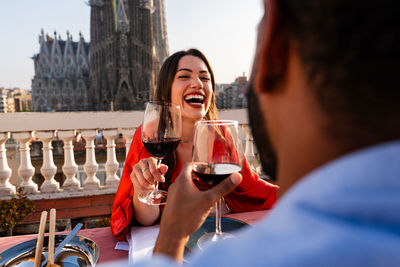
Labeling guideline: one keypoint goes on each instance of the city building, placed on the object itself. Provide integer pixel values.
(22, 100)
(232, 96)
(15, 100)
(128, 45)
(62, 69)
(3, 100)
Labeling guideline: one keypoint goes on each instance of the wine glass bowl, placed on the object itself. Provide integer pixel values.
(209, 175)
(161, 134)
(217, 153)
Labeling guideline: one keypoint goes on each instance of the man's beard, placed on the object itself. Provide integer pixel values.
(260, 134)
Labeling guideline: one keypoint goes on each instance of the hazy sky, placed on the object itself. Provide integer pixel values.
(225, 30)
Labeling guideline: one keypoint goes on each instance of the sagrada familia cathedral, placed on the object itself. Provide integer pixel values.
(116, 71)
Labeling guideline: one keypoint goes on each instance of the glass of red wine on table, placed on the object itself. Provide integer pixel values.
(161, 134)
(217, 153)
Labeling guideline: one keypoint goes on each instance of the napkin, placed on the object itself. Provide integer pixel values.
(141, 242)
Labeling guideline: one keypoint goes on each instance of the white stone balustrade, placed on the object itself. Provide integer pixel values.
(48, 169)
(26, 170)
(112, 180)
(23, 127)
(70, 167)
(128, 133)
(249, 148)
(6, 188)
(91, 166)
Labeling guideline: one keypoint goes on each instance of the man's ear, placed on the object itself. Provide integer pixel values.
(272, 48)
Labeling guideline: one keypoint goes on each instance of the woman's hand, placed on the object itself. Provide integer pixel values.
(145, 173)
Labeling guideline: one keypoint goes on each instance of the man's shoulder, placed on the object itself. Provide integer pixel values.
(302, 243)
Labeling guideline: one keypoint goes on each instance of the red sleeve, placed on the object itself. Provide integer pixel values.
(122, 210)
(252, 193)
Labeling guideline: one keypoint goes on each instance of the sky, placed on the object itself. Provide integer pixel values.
(224, 30)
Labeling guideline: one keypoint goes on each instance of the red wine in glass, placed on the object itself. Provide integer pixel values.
(161, 148)
(209, 175)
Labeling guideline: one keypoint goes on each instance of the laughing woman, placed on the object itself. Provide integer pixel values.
(185, 79)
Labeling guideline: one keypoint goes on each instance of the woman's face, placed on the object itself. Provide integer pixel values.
(191, 88)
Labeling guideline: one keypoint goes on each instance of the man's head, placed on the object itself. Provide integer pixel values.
(326, 77)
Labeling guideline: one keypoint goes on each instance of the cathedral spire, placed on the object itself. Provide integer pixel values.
(56, 58)
(42, 64)
(69, 58)
(121, 20)
(43, 45)
(82, 58)
(160, 32)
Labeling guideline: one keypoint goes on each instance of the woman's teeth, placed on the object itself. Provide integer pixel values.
(195, 99)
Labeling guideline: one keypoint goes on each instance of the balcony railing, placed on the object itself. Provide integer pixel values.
(26, 128)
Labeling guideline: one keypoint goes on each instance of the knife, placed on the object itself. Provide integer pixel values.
(68, 237)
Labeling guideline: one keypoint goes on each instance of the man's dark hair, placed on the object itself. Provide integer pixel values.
(350, 50)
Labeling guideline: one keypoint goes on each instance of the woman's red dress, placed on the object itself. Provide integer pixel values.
(250, 195)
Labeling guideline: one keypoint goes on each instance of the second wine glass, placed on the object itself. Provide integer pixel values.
(217, 153)
(161, 134)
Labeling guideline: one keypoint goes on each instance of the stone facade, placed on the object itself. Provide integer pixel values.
(61, 80)
(117, 71)
(128, 45)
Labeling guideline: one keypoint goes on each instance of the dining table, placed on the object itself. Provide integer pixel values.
(106, 242)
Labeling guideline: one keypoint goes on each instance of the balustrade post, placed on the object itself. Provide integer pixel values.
(70, 167)
(91, 166)
(249, 150)
(26, 170)
(6, 188)
(48, 169)
(112, 180)
(128, 133)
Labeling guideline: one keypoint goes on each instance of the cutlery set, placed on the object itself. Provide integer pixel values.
(38, 262)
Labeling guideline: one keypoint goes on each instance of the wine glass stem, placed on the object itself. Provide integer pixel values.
(154, 192)
(218, 230)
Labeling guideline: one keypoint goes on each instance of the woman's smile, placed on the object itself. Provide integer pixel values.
(196, 100)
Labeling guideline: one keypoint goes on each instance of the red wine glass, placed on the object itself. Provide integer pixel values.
(161, 134)
(217, 153)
